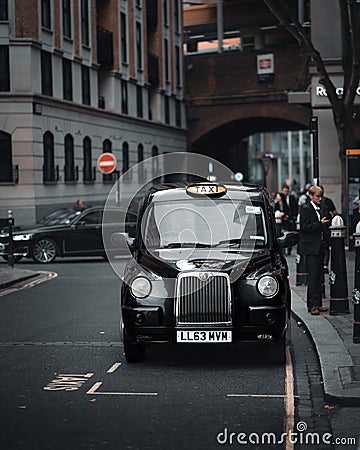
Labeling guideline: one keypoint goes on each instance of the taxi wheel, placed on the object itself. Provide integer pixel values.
(277, 351)
(134, 353)
(44, 251)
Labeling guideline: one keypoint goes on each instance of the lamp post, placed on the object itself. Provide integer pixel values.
(314, 138)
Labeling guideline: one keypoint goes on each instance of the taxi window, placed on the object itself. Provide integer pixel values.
(211, 223)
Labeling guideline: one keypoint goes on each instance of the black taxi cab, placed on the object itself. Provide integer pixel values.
(206, 268)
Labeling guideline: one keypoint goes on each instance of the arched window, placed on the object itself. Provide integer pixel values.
(141, 172)
(69, 168)
(49, 158)
(126, 162)
(125, 167)
(87, 158)
(6, 175)
(155, 162)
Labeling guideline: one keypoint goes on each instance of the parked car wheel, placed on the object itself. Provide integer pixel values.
(134, 353)
(44, 251)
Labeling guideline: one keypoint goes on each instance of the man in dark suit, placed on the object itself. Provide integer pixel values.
(312, 244)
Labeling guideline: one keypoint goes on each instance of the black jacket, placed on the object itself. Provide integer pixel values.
(311, 231)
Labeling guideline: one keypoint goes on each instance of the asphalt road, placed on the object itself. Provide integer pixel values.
(65, 383)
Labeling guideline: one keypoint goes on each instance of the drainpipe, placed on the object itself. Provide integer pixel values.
(220, 25)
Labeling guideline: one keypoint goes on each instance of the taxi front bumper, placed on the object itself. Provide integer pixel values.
(149, 325)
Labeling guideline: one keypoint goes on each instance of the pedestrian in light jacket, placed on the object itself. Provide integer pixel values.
(312, 244)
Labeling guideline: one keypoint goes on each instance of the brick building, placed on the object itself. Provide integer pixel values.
(78, 78)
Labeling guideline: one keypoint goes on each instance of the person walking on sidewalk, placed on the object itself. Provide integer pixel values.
(312, 244)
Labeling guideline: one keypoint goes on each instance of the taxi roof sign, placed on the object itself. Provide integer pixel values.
(209, 189)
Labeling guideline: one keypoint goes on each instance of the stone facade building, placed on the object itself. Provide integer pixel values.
(79, 78)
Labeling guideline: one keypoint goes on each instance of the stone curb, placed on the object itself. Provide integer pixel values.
(332, 353)
(11, 276)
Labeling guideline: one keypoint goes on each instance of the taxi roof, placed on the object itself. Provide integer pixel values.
(177, 191)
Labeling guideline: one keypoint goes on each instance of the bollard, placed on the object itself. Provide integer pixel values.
(339, 302)
(11, 259)
(356, 291)
(301, 269)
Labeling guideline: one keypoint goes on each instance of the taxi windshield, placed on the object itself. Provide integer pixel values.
(205, 223)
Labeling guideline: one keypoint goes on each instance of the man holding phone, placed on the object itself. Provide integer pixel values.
(312, 244)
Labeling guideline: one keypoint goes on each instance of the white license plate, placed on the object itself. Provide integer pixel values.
(205, 337)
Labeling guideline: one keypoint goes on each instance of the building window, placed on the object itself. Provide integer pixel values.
(85, 83)
(167, 109)
(4, 15)
(87, 157)
(139, 101)
(46, 74)
(124, 97)
(177, 66)
(155, 161)
(66, 11)
(165, 12)
(176, 16)
(178, 113)
(49, 158)
(67, 80)
(85, 39)
(4, 69)
(126, 164)
(141, 171)
(304, 11)
(166, 60)
(6, 175)
(69, 168)
(138, 46)
(123, 37)
(46, 14)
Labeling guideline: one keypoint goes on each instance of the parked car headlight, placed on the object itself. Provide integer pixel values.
(22, 237)
(140, 287)
(268, 286)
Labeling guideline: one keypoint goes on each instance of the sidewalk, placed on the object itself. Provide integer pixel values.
(12, 275)
(333, 338)
(332, 335)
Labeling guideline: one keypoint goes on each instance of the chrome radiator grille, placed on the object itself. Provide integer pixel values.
(203, 298)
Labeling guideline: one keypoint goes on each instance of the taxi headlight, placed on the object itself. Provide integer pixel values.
(22, 237)
(268, 286)
(140, 287)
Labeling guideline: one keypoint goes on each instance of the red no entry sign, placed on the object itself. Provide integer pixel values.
(106, 163)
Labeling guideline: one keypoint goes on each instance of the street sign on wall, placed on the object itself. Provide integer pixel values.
(106, 163)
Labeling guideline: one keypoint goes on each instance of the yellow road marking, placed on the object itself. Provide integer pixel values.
(289, 399)
(94, 391)
(114, 367)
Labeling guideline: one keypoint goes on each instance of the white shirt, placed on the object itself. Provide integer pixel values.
(317, 209)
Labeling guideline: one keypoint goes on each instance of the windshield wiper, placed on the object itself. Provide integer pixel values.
(187, 245)
(228, 241)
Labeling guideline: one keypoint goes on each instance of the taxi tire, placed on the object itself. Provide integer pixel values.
(277, 351)
(134, 353)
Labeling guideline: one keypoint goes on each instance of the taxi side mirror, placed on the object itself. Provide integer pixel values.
(288, 239)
